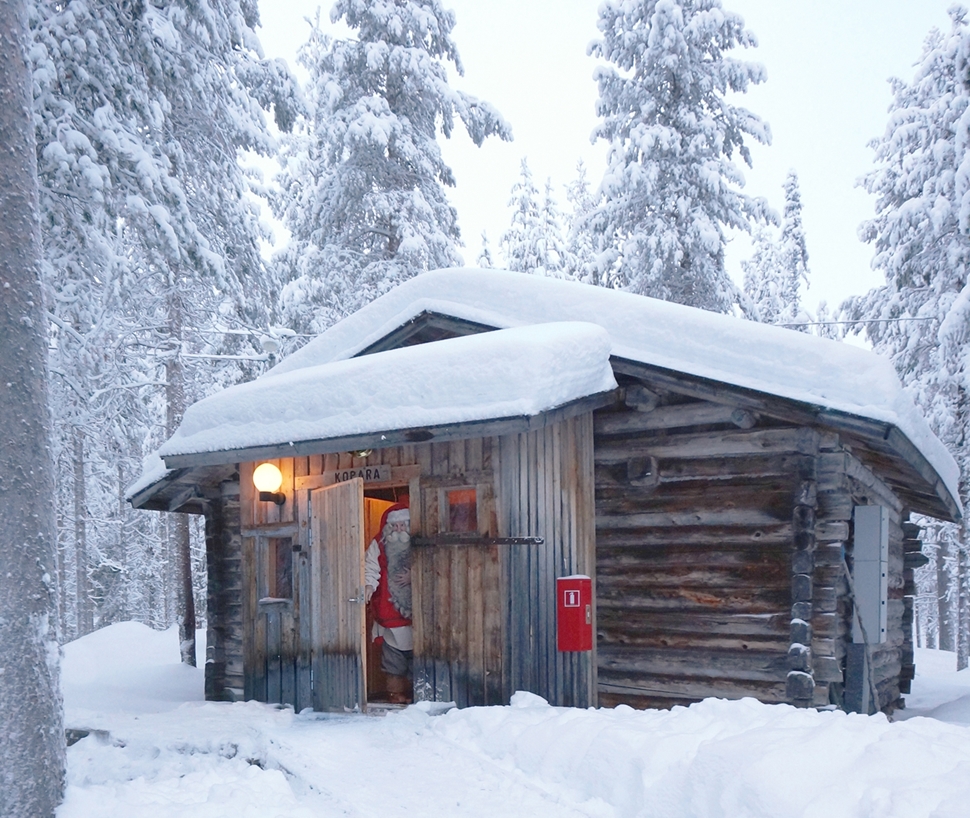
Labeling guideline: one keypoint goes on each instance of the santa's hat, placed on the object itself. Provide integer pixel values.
(398, 513)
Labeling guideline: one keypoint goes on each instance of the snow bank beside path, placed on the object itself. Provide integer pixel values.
(715, 759)
(730, 759)
(939, 691)
(129, 667)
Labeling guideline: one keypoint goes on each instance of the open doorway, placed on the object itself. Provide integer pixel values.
(376, 502)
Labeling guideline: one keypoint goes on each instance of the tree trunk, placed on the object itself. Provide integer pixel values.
(123, 543)
(962, 629)
(181, 542)
(85, 609)
(944, 617)
(31, 721)
(962, 599)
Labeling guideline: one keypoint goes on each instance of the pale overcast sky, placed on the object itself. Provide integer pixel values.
(826, 96)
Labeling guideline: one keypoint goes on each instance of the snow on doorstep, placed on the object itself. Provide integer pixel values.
(715, 759)
(512, 373)
(767, 359)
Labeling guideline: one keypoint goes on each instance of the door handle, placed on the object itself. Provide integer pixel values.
(359, 599)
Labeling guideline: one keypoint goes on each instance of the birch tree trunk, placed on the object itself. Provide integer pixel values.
(32, 747)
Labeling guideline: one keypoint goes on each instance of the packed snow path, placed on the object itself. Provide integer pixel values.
(163, 752)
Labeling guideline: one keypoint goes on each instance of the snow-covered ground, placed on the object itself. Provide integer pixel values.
(161, 751)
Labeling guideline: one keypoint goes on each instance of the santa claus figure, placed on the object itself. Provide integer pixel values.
(387, 573)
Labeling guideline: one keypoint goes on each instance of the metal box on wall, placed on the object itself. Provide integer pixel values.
(574, 613)
(870, 570)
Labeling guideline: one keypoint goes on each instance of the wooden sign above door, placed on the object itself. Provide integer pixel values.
(369, 474)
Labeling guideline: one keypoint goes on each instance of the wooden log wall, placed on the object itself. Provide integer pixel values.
(695, 529)
(224, 619)
(845, 482)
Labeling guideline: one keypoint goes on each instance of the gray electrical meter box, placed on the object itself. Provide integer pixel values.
(870, 561)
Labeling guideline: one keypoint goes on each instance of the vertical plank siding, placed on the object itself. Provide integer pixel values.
(545, 481)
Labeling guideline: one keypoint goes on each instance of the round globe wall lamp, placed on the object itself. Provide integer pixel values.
(268, 479)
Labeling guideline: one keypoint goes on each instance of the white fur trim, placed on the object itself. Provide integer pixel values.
(402, 515)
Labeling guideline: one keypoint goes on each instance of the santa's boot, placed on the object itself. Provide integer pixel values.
(398, 689)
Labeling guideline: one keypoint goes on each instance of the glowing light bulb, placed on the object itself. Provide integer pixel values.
(267, 477)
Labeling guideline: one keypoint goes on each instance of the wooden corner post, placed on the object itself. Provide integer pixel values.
(800, 682)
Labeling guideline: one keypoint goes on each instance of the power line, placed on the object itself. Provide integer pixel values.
(856, 321)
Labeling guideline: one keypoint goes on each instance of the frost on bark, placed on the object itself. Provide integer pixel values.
(32, 748)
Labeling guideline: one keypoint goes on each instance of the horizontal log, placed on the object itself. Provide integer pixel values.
(736, 580)
(826, 669)
(824, 600)
(756, 601)
(697, 664)
(709, 444)
(672, 417)
(730, 517)
(715, 468)
(650, 692)
(825, 626)
(661, 557)
(830, 531)
(707, 622)
(835, 505)
(828, 555)
(638, 397)
(607, 637)
(912, 546)
(766, 494)
(706, 536)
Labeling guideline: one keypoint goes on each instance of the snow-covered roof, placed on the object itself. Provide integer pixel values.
(721, 348)
(519, 372)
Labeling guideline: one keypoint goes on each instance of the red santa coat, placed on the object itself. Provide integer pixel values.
(388, 620)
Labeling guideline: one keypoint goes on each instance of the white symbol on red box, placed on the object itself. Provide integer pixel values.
(570, 599)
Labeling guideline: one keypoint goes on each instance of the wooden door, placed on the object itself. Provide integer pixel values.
(337, 581)
(457, 590)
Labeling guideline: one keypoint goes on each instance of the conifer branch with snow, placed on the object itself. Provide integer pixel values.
(363, 180)
(671, 186)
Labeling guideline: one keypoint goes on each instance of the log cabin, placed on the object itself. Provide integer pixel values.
(740, 497)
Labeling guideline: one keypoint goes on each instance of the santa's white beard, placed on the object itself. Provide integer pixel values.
(397, 550)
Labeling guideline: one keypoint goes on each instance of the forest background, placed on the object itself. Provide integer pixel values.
(159, 125)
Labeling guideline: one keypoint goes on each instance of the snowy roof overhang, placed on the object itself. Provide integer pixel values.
(493, 383)
(831, 383)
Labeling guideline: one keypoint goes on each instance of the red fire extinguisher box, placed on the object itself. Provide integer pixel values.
(574, 613)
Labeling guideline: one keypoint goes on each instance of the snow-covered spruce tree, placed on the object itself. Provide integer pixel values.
(793, 251)
(485, 260)
(776, 271)
(151, 236)
(580, 249)
(921, 235)
(364, 180)
(671, 187)
(534, 241)
(763, 278)
(32, 749)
